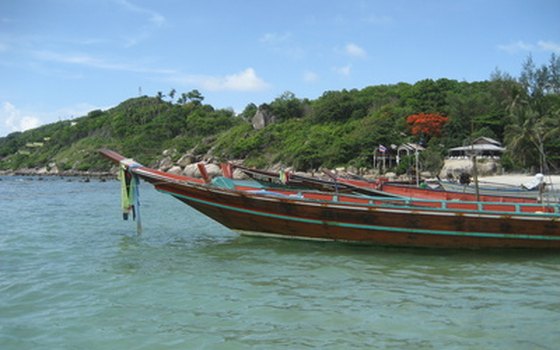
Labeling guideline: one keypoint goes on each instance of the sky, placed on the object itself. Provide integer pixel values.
(60, 59)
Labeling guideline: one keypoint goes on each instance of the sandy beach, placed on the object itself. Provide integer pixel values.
(519, 179)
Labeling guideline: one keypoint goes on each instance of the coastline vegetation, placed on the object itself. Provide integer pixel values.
(339, 128)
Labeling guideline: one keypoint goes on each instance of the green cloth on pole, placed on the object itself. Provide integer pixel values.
(130, 197)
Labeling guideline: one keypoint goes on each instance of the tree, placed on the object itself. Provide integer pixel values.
(429, 96)
(182, 99)
(287, 106)
(534, 114)
(554, 74)
(249, 112)
(530, 131)
(195, 97)
(432, 158)
(479, 109)
(426, 125)
(542, 81)
(333, 106)
(172, 94)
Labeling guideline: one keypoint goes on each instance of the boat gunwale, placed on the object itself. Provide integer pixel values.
(404, 204)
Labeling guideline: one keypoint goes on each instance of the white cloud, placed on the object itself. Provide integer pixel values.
(521, 46)
(378, 20)
(282, 43)
(143, 31)
(344, 71)
(246, 80)
(29, 122)
(354, 50)
(96, 62)
(153, 16)
(310, 77)
(516, 47)
(549, 46)
(14, 119)
(275, 38)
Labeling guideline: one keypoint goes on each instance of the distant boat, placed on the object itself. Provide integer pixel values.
(530, 191)
(333, 184)
(407, 190)
(413, 191)
(318, 215)
(356, 184)
(287, 178)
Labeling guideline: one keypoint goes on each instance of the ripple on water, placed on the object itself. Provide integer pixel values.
(72, 275)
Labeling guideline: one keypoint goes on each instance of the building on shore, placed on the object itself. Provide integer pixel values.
(488, 154)
(481, 147)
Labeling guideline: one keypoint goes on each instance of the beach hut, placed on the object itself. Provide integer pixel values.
(485, 147)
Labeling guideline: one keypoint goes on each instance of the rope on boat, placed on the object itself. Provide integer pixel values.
(130, 193)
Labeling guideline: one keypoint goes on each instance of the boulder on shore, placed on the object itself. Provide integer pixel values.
(455, 167)
(185, 160)
(176, 170)
(262, 118)
(165, 164)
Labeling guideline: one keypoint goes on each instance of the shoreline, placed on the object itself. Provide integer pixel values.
(516, 179)
(513, 179)
(68, 173)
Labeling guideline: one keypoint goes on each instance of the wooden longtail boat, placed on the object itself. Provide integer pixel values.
(361, 219)
(334, 184)
(286, 178)
(493, 189)
(374, 188)
(413, 191)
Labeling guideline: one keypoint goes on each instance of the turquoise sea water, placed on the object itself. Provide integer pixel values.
(73, 275)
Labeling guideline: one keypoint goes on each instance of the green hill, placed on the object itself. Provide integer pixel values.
(338, 128)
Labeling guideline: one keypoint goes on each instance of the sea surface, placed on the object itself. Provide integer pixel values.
(74, 275)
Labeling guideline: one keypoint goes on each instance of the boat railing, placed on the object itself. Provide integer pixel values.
(504, 208)
(457, 206)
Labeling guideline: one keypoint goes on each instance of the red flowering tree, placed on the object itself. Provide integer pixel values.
(426, 124)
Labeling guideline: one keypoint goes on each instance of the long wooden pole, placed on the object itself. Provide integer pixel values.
(474, 165)
(417, 167)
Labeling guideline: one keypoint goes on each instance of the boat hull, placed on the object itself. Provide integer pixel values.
(287, 218)
(362, 219)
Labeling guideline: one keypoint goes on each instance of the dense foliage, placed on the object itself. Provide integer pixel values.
(338, 128)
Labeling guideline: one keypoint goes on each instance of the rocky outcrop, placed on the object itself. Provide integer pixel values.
(173, 162)
(175, 170)
(191, 170)
(485, 167)
(165, 164)
(45, 171)
(185, 160)
(262, 118)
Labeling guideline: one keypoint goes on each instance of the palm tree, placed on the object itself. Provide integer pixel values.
(182, 99)
(195, 97)
(529, 131)
(534, 113)
(172, 94)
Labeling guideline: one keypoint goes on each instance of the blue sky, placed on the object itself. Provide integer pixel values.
(60, 59)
